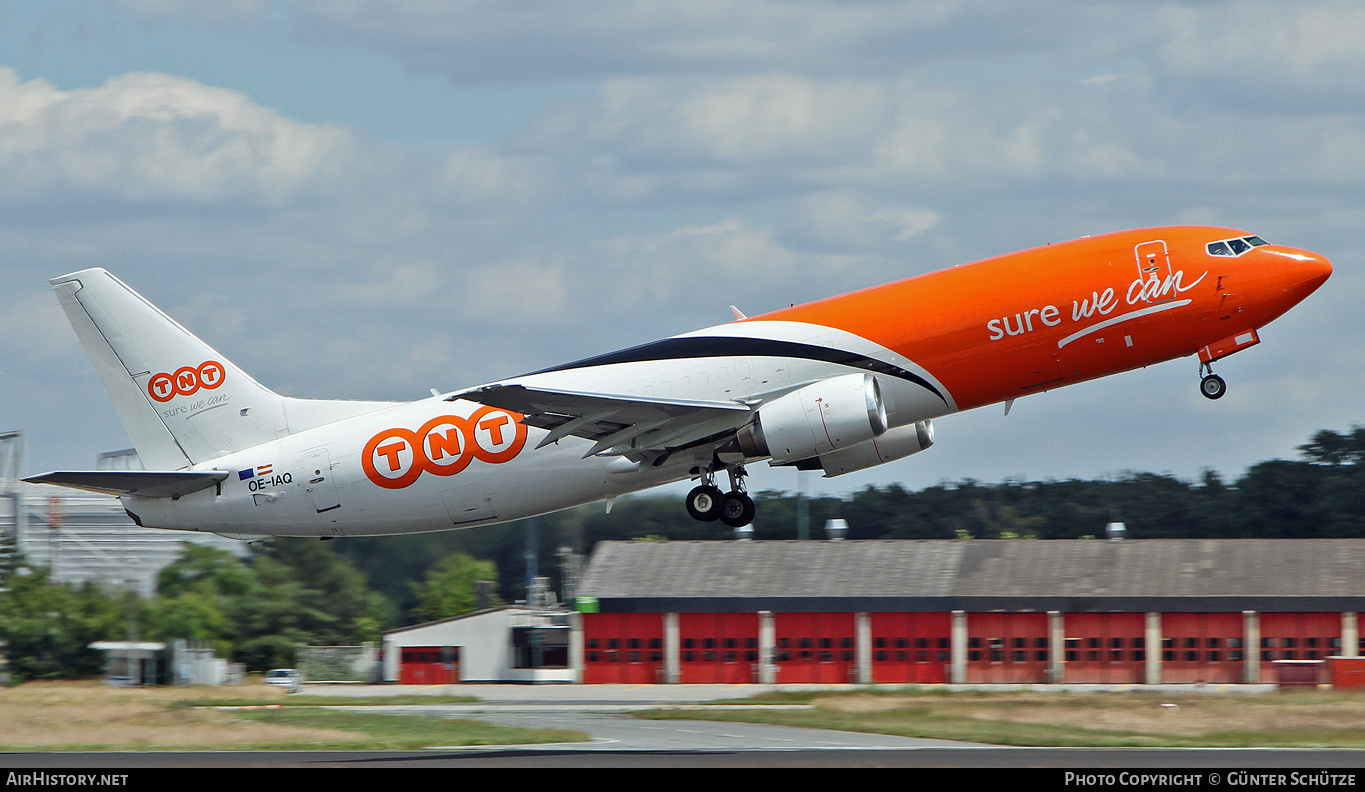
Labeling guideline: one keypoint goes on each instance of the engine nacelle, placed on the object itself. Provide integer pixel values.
(837, 413)
(898, 442)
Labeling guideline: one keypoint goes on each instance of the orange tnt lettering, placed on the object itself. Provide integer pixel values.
(444, 444)
(210, 374)
(494, 426)
(390, 453)
(163, 387)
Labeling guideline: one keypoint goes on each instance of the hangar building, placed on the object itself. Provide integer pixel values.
(886, 611)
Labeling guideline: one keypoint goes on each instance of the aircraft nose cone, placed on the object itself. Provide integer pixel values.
(1312, 272)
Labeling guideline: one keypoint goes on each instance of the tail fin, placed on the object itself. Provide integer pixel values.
(181, 402)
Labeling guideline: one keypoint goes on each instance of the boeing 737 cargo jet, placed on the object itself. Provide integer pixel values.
(837, 385)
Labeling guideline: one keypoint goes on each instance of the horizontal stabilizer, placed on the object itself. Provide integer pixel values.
(149, 484)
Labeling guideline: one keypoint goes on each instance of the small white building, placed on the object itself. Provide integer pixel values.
(505, 644)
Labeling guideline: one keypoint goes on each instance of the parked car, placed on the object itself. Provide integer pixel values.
(287, 678)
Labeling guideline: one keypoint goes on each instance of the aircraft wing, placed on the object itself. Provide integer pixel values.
(619, 425)
(151, 484)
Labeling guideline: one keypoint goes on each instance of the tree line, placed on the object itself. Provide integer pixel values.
(289, 592)
(256, 610)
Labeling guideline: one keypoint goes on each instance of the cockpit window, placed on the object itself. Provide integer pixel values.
(1234, 247)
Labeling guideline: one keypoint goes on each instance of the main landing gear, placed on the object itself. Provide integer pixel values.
(1211, 385)
(708, 504)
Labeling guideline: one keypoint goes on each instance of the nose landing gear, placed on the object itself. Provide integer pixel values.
(1211, 385)
(708, 504)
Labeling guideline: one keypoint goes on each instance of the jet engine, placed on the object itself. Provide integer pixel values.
(830, 415)
(898, 442)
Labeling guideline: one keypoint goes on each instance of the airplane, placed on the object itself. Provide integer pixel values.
(838, 385)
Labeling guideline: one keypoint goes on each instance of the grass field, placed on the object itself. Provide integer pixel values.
(90, 716)
(1307, 719)
(85, 716)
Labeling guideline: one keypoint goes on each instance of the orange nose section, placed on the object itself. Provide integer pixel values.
(1308, 272)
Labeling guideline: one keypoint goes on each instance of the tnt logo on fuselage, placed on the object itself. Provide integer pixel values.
(186, 381)
(443, 446)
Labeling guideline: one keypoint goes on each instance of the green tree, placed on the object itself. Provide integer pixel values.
(205, 570)
(198, 598)
(1332, 448)
(304, 593)
(48, 627)
(450, 587)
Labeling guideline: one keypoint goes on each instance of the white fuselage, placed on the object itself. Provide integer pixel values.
(317, 483)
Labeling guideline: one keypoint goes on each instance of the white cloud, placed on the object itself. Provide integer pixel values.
(478, 40)
(1290, 39)
(744, 122)
(846, 220)
(1265, 58)
(525, 293)
(779, 115)
(486, 179)
(939, 134)
(673, 267)
(147, 137)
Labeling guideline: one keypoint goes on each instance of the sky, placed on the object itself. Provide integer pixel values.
(368, 199)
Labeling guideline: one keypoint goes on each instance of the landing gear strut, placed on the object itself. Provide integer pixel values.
(1211, 385)
(708, 504)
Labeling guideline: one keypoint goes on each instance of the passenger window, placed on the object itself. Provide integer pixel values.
(1219, 249)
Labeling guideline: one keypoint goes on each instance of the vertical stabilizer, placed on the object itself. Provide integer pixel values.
(181, 402)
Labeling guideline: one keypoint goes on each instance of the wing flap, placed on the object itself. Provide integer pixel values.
(147, 483)
(614, 422)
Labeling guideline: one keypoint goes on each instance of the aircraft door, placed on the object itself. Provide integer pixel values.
(320, 486)
(1154, 261)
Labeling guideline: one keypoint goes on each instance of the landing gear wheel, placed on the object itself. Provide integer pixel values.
(1213, 387)
(737, 509)
(704, 503)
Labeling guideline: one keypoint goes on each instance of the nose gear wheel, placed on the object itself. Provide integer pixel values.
(1211, 385)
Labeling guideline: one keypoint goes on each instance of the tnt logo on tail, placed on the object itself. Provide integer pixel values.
(185, 381)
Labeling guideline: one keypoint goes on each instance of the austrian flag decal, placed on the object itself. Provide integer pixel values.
(263, 470)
